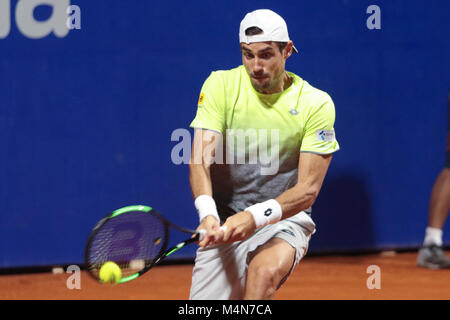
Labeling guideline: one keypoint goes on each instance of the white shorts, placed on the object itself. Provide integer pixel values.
(220, 272)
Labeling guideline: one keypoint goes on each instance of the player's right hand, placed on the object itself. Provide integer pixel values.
(212, 227)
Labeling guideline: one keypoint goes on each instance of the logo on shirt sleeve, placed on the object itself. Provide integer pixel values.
(201, 98)
(325, 135)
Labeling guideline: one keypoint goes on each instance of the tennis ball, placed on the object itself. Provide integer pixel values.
(110, 273)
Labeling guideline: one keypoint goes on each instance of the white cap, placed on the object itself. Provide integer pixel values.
(273, 26)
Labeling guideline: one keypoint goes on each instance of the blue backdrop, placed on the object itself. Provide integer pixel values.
(86, 120)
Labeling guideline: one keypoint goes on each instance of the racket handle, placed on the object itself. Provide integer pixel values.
(201, 234)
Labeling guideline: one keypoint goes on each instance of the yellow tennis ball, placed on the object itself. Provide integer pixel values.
(110, 273)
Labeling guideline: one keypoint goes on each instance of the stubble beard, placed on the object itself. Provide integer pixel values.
(267, 86)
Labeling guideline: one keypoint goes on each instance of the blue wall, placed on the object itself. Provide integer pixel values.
(86, 120)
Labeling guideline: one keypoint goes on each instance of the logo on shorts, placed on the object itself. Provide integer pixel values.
(325, 135)
(288, 232)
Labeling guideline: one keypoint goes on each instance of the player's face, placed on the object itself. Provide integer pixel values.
(265, 65)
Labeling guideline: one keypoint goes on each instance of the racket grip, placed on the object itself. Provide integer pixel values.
(201, 234)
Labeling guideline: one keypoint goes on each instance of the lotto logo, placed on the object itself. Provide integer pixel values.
(268, 212)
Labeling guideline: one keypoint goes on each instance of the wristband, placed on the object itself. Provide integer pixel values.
(265, 212)
(206, 206)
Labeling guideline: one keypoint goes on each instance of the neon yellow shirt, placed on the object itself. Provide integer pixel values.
(298, 119)
(301, 112)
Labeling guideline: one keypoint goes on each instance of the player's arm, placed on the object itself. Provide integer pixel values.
(311, 174)
(203, 152)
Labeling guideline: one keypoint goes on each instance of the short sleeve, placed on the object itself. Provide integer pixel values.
(211, 105)
(319, 134)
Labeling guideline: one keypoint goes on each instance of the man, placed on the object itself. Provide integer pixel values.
(431, 255)
(264, 205)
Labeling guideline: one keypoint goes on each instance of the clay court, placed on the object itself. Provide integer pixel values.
(316, 278)
(99, 107)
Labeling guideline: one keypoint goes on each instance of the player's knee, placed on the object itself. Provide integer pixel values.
(266, 276)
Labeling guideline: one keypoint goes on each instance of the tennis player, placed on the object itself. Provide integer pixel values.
(258, 219)
(432, 255)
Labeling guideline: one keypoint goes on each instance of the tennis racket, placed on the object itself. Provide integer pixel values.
(135, 238)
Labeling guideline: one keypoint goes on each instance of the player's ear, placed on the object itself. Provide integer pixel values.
(288, 49)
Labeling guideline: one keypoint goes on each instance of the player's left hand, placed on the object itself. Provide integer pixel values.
(238, 227)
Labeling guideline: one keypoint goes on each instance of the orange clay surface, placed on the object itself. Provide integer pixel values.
(318, 278)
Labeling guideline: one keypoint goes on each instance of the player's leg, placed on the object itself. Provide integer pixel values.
(221, 272)
(217, 274)
(440, 201)
(431, 255)
(270, 265)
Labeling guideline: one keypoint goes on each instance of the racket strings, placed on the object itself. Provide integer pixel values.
(132, 240)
